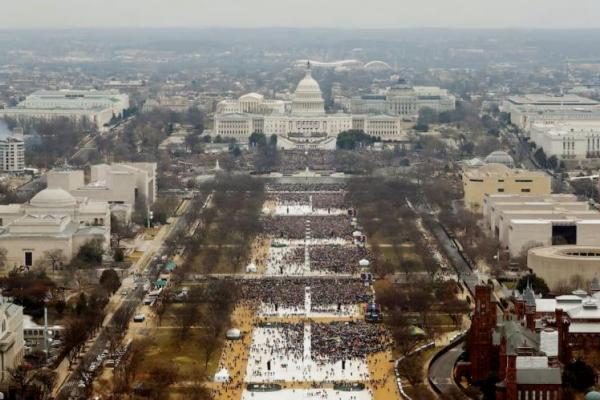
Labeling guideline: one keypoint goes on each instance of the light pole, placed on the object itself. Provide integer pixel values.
(149, 216)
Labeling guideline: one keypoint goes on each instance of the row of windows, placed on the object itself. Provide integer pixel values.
(501, 190)
(537, 395)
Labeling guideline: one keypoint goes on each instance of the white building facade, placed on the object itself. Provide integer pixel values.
(121, 185)
(568, 140)
(530, 109)
(12, 343)
(12, 155)
(404, 100)
(52, 220)
(304, 116)
(98, 107)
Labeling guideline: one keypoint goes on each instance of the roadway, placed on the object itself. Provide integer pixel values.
(88, 142)
(144, 270)
(441, 371)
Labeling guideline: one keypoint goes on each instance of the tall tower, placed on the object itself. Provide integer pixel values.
(480, 336)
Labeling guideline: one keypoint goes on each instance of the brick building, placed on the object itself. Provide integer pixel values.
(512, 348)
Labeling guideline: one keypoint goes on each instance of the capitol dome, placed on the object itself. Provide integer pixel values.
(308, 99)
(500, 157)
(53, 198)
(308, 85)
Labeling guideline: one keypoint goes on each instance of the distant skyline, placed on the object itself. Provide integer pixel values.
(388, 14)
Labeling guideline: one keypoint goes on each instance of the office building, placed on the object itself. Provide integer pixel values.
(568, 140)
(525, 110)
(12, 154)
(122, 185)
(500, 179)
(94, 106)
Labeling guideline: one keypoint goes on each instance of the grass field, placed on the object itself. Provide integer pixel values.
(186, 355)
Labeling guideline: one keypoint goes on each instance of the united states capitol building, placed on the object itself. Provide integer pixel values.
(303, 122)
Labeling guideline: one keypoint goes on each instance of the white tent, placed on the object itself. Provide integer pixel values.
(234, 334)
(251, 268)
(364, 262)
(222, 376)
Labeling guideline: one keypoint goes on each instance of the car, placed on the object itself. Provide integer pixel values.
(124, 292)
(139, 318)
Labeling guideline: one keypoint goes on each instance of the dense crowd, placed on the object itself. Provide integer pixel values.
(322, 200)
(305, 187)
(296, 160)
(285, 339)
(331, 227)
(328, 292)
(337, 258)
(290, 292)
(299, 227)
(338, 341)
(285, 293)
(285, 227)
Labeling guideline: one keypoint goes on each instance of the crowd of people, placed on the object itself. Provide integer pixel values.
(337, 258)
(284, 339)
(299, 227)
(302, 244)
(289, 293)
(284, 293)
(328, 292)
(305, 187)
(331, 227)
(320, 200)
(338, 341)
(278, 227)
(296, 160)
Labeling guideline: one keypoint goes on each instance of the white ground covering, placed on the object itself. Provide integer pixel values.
(305, 209)
(275, 261)
(269, 344)
(307, 394)
(276, 265)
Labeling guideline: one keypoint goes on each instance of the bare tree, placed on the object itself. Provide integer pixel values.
(411, 369)
(186, 316)
(209, 345)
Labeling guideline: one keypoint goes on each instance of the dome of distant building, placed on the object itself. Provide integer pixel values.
(308, 86)
(500, 157)
(307, 97)
(593, 395)
(53, 198)
(377, 65)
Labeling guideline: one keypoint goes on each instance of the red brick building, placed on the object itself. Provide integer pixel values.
(509, 348)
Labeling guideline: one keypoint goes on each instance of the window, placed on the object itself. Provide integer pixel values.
(500, 190)
(523, 180)
(28, 258)
(525, 190)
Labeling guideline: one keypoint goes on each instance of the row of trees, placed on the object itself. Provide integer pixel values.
(352, 139)
(49, 141)
(228, 227)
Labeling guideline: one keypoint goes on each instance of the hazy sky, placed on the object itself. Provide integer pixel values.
(301, 13)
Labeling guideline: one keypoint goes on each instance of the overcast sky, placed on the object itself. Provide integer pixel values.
(301, 13)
